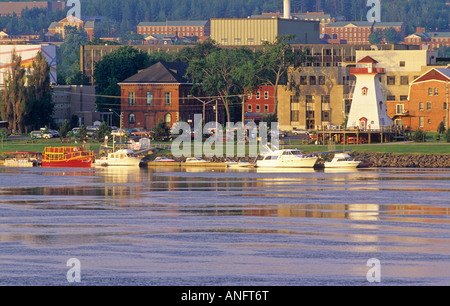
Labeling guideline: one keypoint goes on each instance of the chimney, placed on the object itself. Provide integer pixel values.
(287, 9)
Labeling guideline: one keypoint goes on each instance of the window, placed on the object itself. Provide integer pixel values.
(364, 91)
(295, 99)
(326, 115)
(303, 80)
(428, 106)
(266, 95)
(436, 92)
(391, 80)
(257, 108)
(266, 108)
(400, 108)
(421, 122)
(168, 119)
(421, 108)
(131, 98)
(402, 64)
(131, 118)
(429, 121)
(258, 95)
(312, 80)
(149, 97)
(249, 108)
(295, 115)
(404, 98)
(430, 92)
(404, 80)
(445, 106)
(167, 98)
(390, 98)
(309, 99)
(237, 41)
(321, 80)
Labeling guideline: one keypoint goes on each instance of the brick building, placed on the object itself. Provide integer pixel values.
(72, 21)
(357, 32)
(430, 40)
(161, 92)
(259, 103)
(184, 28)
(427, 105)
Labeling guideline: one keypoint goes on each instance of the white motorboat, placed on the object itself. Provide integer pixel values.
(125, 157)
(239, 164)
(195, 160)
(163, 159)
(287, 158)
(342, 160)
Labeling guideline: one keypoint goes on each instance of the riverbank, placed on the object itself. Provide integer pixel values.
(394, 160)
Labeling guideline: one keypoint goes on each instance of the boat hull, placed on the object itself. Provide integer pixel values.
(128, 162)
(85, 162)
(306, 162)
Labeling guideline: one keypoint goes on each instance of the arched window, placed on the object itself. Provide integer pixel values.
(131, 118)
(364, 91)
(168, 119)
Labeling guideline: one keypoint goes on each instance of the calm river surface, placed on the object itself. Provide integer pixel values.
(172, 226)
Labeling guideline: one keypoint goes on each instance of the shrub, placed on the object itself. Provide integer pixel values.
(418, 136)
(447, 135)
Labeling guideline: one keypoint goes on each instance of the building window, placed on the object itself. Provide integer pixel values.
(428, 106)
(167, 98)
(391, 80)
(364, 91)
(312, 80)
(258, 95)
(295, 115)
(257, 108)
(266, 108)
(436, 92)
(266, 95)
(404, 80)
(131, 118)
(445, 105)
(421, 108)
(400, 108)
(326, 115)
(404, 98)
(168, 119)
(390, 98)
(402, 64)
(309, 99)
(149, 97)
(430, 92)
(303, 80)
(321, 80)
(295, 99)
(131, 98)
(421, 122)
(249, 108)
(429, 121)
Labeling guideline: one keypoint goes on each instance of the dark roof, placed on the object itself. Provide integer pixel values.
(367, 59)
(161, 72)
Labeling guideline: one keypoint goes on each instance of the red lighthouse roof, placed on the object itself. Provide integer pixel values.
(367, 59)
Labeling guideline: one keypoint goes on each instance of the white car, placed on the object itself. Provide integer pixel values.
(300, 132)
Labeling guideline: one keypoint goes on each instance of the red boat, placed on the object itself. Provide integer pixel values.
(73, 157)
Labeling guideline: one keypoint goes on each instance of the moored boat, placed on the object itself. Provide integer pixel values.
(125, 157)
(342, 160)
(71, 157)
(287, 158)
(21, 159)
(163, 159)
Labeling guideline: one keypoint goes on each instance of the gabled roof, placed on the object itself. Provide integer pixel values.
(439, 74)
(363, 24)
(161, 72)
(176, 23)
(367, 59)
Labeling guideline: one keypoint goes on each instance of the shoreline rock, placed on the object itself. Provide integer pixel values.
(393, 160)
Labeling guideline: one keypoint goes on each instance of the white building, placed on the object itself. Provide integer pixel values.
(368, 110)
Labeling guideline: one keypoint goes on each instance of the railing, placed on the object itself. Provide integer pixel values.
(366, 70)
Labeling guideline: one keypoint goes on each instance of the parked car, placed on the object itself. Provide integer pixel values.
(140, 133)
(41, 134)
(300, 132)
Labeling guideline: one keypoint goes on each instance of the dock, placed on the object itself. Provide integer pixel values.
(362, 136)
(186, 165)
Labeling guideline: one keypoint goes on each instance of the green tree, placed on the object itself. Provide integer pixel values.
(39, 96)
(64, 129)
(161, 130)
(376, 37)
(13, 106)
(275, 62)
(392, 36)
(447, 135)
(419, 136)
(82, 132)
(103, 130)
(441, 128)
(114, 68)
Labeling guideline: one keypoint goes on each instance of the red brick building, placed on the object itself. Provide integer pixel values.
(259, 103)
(432, 40)
(184, 28)
(427, 105)
(357, 32)
(161, 92)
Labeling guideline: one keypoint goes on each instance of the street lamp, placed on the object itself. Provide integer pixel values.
(121, 119)
(204, 104)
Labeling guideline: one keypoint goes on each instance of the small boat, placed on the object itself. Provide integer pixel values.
(21, 159)
(239, 164)
(72, 157)
(125, 157)
(163, 159)
(195, 160)
(342, 160)
(286, 158)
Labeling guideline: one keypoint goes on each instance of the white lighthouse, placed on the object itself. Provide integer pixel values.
(368, 109)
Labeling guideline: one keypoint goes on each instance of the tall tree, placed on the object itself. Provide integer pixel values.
(13, 95)
(39, 98)
(275, 62)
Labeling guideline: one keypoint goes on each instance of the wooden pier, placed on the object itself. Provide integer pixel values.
(358, 136)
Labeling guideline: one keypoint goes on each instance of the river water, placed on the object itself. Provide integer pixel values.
(177, 227)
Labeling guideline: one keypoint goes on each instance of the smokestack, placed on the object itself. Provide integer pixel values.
(287, 9)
